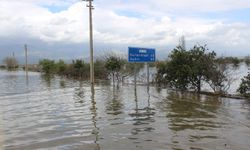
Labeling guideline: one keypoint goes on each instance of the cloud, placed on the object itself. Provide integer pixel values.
(202, 6)
(144, 23)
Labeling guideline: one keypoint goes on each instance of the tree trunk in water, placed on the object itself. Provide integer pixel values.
(113, 74)
(199, 86)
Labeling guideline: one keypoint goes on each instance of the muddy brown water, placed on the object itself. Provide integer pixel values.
(57, 113)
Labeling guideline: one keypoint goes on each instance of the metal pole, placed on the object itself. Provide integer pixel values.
(135, 71)
(148, 74)
(91, 42)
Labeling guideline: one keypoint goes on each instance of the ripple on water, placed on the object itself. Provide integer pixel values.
(59, 113)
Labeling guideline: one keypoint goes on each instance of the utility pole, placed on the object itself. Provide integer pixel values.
(90, 6)
(26, 60)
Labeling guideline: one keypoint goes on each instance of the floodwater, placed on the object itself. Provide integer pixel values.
(57, 113)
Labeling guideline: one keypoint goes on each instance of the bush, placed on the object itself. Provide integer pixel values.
(61, 67)
(48, 66)
(100, 70)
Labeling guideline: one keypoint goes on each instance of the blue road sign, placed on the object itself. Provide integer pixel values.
(136, 54)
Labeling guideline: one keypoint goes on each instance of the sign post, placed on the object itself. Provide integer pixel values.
(141, 55)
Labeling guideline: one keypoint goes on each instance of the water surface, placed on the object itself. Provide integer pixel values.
(58, 113)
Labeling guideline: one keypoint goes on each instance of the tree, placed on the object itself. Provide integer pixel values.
(188, 69)
(219, 78)
(48, 66)
(10, 62)
(244, 88)
(178, 69)
(201, 60)
(161, 72)
(114, 65)
(247, 60)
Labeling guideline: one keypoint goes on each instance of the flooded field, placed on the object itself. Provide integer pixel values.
(58, 113)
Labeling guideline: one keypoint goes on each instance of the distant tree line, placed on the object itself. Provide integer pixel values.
(11, 63)
(110, 66)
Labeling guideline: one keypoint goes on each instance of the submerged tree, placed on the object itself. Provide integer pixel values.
(161, 72)
(48, 66)
(114, 65)
(247, 60)
(189, 69)
(178, 69)
(10, 62)
(220, 78)
(244, 88)
(61, 67)
(200, 61)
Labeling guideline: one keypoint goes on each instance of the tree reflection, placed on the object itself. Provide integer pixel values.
(114, 106)
(62, 84)
(191, 111)
(79, 93)
(142, 117)
(47, 79)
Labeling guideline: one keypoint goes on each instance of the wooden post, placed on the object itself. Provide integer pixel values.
(26, 60)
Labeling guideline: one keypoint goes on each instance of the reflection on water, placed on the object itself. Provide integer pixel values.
(114, 105)
(185, 113)
(59, 113)
(94, 118)
(142, 117)
(47, 79)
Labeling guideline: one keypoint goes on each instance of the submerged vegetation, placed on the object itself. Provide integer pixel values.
(110, 66)
(11, 63)
(244, 88)
(185, 70)
(188, 70)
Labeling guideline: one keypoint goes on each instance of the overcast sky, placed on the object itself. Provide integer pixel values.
(59, 28)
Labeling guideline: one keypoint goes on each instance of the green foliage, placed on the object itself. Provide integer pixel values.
(48, 66)
(80, 69)
(100, 70)
(178, 69)
(189, 69)
(247, 60)
(219, 78)
(61, 67)
(244, 88)
(200, 62)
(77, 69)
(114, 65)
(110, 65)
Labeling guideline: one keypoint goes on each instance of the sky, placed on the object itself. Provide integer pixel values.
(59, 29)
